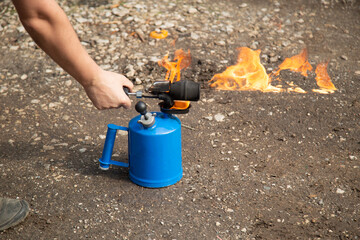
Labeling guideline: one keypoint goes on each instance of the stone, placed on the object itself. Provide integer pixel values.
(194, 36)
(130, 71)
(120, 12)
(82, 150)
(14, 48)
(274, 59)
(138, 81)
(53, 104)
(219, 117)
(229, 210)
(47, 147)
(192, 10)
(82, 20)
(229, 29)
(220, 43)
(254, 45)
(344, 57)
(340, 191)
(158, 23)
(286, 43)
(102, 41)
(68, 83)
(181, 29)
(351, 157)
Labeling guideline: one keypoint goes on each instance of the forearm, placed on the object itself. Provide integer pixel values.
(50, 28)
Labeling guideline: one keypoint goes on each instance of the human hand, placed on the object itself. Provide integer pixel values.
(106, 90)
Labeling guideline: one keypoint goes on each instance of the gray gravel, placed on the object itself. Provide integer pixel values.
(256, 166)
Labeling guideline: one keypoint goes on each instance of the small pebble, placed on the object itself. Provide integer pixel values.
(47, 148)
(138, 81)
(219, 117)
(194, 36)
(192, 10)
(82, 150)
(344, 57)
(229, 210)
(68, 83)
(340, 191)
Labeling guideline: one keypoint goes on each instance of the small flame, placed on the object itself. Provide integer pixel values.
(248, 74)
(298, 63)
(323, 80)
(183, 60)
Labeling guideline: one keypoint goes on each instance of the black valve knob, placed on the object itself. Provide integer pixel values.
(147, 119)
(140, 107)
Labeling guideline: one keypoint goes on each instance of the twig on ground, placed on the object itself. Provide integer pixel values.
(188, 127)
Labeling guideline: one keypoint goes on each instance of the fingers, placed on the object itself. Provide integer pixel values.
(127, 83)
(108, 91)
(126, 104)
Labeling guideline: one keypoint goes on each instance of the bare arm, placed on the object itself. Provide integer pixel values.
(50, 28)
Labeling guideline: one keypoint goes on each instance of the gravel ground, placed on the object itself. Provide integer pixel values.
(256, 165)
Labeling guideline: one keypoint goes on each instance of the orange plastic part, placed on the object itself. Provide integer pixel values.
(163, 34)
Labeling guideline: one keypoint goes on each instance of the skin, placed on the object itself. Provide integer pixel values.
(52, 31)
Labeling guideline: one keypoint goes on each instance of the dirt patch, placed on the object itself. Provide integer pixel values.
(277, 166)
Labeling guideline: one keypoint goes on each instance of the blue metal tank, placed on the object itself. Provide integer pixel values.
(154, 149)
(155, 152)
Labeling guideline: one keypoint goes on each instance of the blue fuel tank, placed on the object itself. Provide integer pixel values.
(155, 152)
(154, 149)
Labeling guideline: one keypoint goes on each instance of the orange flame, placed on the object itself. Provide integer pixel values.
(248, 74)
(323, 80)
(183, 60)
(298, 63)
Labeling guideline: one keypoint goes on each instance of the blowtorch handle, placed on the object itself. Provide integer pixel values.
(126, 90)
(137, 94)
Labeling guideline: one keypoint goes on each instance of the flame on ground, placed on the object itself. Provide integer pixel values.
(323, 80)
(250, 75)
(298, 63)
(181, 61)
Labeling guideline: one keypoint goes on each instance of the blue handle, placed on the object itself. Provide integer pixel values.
(105, 160)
